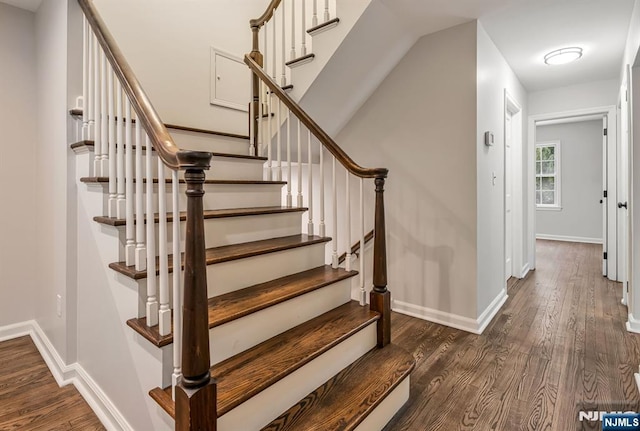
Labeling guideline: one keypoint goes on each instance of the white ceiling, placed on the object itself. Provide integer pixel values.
(525, 30)
(31, 5)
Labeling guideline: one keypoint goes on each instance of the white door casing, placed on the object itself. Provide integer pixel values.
(508, 198)
(605, 198)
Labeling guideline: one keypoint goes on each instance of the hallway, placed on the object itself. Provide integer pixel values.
(558, 346)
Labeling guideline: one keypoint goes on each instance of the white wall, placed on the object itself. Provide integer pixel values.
(52, 174)
(169, 51)
(421, 124)
(17, 168)
(494, 76)
(581, 181)
(579, 96)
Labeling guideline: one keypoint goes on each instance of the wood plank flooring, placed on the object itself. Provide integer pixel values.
(559, 345)
(30, 399)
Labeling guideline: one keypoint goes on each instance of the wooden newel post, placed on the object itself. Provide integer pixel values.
(254, 109)
(196, 393)
(380, 298)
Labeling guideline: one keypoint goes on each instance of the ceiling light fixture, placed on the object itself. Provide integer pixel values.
(563, 56)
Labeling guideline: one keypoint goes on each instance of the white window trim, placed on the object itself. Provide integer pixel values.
(558, 175)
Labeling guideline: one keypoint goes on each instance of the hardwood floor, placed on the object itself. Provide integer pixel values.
(558, 346)
(30, 399)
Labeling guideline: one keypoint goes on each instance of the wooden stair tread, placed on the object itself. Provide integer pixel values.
(234, 305)
(90, 180)
(211, 214)
(300, 60)
(346, 399)
(227, 253)
(250, 372)
(317, 28)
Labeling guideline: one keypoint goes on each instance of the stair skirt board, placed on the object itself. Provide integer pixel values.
(233, 230)
(241, 334)
(277, 398)
(385, 411)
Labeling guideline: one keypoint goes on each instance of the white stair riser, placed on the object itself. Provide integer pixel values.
(230, 276)
(212, 143)
(385, 411)
(232, 230)
(237, 274)
(241, 334)
(216, 196)
(229, 168)
(277, 398)
(222, 168)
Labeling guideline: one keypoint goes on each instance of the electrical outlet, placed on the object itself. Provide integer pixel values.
(59, 305)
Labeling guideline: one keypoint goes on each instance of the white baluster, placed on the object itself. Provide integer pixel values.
(289, 198)
(130, 248)
(321, 226)
(314, 19)
(348, 220)
(104, 157)
(334, 240)
(327, 16)
(299, 202)
(260, 115)
(88, 103)
(252, 126)
(279, 141)
(121, 206)
(97, 112)
(86, 59)
(152, 286)
(310, 184)
(113, 167)
(163, 255)
(293, 30)
(363, 293)
(177, 286)
(275, 47)
(283, 79)
(303, 30)
(141, 251)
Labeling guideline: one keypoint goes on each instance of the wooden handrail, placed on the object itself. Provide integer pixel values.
(169, 152)
(320, 134)
(356, 247)
(266, 16)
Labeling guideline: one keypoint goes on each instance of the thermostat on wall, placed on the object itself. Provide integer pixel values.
(488, 139)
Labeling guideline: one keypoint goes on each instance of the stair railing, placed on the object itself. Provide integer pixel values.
(299, 127)
(115, 103)
(286, 26)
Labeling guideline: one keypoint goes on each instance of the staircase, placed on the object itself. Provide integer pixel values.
(252, 329)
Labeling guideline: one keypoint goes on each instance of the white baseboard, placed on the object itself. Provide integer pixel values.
(74, 374)
(525, 270)
(633, 325)
(569, 238)
(475, 326)
(637, 378)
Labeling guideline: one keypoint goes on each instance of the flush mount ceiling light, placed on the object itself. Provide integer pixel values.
(563, 56)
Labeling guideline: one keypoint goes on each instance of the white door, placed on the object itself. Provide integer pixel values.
(508, 216)
(604, 196)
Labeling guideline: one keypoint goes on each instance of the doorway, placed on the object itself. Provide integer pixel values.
(546, 203)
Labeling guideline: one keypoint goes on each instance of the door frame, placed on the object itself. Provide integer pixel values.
(512, 107)
(568, 116)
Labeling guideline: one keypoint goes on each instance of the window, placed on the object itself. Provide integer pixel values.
(548, 175)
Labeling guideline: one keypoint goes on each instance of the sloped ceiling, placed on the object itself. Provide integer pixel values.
(31, 5)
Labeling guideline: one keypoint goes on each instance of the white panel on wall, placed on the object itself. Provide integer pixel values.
(229, 81)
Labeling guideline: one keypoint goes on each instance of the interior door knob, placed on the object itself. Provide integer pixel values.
(620, 205)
